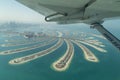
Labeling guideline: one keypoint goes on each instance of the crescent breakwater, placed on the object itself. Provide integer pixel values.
(87, 53)
(31, 57)
(26, 40)
(13, 51)
(19, 44)
(63, 62)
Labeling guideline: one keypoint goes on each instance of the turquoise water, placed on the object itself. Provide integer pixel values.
(80, 69)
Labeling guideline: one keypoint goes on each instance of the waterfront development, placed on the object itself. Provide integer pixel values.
(58, 54)
(64, 61)
(28, 58)
(26, 48)
(24, 40)
(23, 43)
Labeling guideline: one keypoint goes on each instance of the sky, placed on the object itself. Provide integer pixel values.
(11, 10)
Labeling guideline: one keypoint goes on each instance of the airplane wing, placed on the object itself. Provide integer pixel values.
(104, 9)
(71, 11)
(48, 7)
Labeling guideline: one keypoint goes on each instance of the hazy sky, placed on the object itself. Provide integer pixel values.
(11, 10)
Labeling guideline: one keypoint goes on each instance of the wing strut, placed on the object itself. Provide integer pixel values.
(55, 15)
(115, 41)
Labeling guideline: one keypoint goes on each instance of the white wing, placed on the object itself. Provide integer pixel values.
(46, 7)
(104, 9)
(63, 11)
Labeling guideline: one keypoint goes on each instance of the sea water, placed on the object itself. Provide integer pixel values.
(108, 67)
